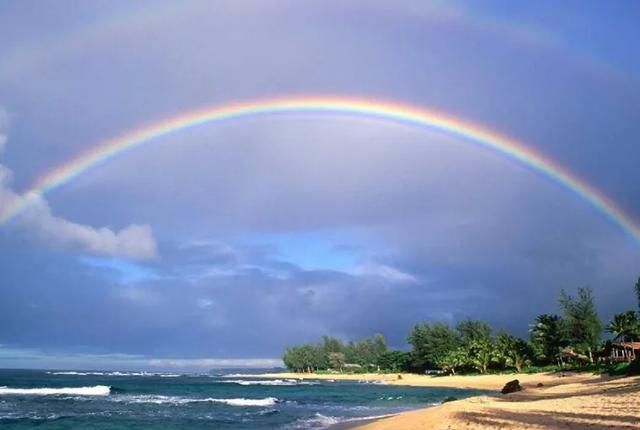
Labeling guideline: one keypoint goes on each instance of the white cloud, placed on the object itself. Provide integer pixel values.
(133, 241)
(384, 271)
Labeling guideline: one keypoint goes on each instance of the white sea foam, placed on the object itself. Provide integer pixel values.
(319, 421)
(271, 382)
(267, 401)
(176, 400)
(390, 398)
(30, 416)
(115, 373)
(153, 399)
(97, 390)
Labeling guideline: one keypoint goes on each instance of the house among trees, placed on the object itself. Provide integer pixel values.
(624, 351)
(571, 356)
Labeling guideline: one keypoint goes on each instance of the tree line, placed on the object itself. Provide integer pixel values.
(572, 337)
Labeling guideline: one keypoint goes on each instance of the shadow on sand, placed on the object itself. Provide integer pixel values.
(608, 418)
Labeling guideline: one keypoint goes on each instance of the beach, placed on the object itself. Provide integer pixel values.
(564, 401)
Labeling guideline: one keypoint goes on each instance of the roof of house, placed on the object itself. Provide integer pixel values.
(627, 345)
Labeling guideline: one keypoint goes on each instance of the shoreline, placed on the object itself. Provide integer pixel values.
(492, 382)
(352, 424)
(563, 401)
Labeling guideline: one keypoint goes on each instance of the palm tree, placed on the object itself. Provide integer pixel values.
(625, 326)
(550, 333)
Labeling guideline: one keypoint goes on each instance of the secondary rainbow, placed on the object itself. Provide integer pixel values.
(383, 110)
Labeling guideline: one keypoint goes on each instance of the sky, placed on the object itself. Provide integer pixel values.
(223, 244)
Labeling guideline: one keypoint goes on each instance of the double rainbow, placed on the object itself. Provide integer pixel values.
(383, 110)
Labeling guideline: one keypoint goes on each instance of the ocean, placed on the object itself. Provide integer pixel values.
(61, 400)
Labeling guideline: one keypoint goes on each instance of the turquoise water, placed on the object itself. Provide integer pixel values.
(51, 400)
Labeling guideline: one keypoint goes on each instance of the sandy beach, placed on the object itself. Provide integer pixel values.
(482, 382)
(564, 401)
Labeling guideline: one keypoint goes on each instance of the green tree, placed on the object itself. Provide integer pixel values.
(511, 351)
(480, 354)
(638, 291)
(302, 358)
(366, 352)
(453, 360)
(583, 322)
(395, 361)
(625, 326)
(292, 359)
(331, 344)
(328, 346)
(310, 357)
(477, 341)
(431, 342)
(474, 331)
(336, 360)
(379, 347)
(549, 336)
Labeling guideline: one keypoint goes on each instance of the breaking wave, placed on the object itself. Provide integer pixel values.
(271, 382)
(318, 421)
(176, 400)
(267, 401)
(97, 390)
(92, 373)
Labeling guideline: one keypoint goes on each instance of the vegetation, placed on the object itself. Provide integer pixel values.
(570, 341)
(432, 343)
(549, 336)
(332, 354)
(625, 326)
(583, 323)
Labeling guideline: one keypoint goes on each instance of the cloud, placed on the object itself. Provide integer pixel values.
(133, 241)
(384, 271)
(208, 363)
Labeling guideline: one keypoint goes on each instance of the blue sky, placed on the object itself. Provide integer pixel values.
(233, 240)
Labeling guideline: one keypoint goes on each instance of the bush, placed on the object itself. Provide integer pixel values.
(634, 367)
(542, 369)
(625, 369)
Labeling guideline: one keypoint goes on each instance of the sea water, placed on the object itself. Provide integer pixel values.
(97, 400)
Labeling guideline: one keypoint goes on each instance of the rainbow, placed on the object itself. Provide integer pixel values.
(383, 110)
